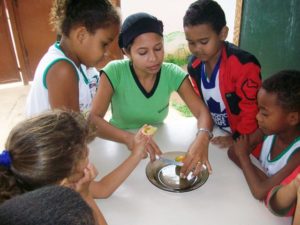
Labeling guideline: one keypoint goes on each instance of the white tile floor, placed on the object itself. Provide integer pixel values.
(12, 110)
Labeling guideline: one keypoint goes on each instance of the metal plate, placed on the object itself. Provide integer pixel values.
(166, 176)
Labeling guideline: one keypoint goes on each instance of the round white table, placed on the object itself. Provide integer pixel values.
(225, 198)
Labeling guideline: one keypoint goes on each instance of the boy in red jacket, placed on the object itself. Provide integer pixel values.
(226, 77)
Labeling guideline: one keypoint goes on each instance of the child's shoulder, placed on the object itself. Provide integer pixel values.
(242, 55)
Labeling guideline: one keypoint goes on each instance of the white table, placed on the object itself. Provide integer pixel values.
(225, 198)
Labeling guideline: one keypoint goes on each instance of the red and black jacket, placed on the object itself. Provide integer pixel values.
(239, 80)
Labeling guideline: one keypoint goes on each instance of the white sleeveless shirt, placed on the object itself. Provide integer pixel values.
(273, 166)
(38, 101)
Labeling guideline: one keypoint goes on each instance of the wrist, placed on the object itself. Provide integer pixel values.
(128, 140)
(205, 131)
(137, 155)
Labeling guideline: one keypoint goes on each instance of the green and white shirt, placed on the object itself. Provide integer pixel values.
(272, 166)
(131, 105)
(38, 100)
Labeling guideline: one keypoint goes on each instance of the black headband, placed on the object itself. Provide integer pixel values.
(137, 24)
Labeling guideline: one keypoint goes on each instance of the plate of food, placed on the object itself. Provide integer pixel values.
(164, 174)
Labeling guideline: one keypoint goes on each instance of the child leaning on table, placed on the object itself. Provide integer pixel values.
(284, 199)
(279, 119)
(52, 149)
(226, 77)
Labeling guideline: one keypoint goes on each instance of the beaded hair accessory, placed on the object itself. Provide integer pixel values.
(5, 159)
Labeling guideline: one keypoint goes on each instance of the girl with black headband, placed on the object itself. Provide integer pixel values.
(139, 89)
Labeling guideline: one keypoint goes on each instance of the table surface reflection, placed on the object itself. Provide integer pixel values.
(224, 199)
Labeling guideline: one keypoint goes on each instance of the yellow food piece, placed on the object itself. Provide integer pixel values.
(179, 158)
(149, 130)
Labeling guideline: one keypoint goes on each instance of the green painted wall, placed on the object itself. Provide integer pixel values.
(271, 31)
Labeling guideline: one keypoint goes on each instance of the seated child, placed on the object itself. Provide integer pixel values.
(48, 205)
(52, 149)
(227, 78)
(279, 119)
(284, 199)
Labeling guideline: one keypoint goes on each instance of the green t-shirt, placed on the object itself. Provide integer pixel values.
(131, 105)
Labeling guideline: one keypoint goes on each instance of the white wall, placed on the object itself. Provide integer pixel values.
(171, 12)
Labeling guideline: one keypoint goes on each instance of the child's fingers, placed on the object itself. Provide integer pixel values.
(93, 171)
(155, 147)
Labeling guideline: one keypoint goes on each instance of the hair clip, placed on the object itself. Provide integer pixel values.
(5, 159)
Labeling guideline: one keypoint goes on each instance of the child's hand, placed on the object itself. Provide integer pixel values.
(140, 141)
(82, 185)
(222, 141)
(241, 145)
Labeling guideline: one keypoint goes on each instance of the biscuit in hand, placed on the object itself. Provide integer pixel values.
(149, 130)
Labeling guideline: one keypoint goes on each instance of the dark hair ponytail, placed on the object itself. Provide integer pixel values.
(43, 150)
(8, 185)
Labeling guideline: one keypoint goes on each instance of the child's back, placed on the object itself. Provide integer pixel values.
(48, 205)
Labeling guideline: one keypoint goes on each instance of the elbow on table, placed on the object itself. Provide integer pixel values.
(232, 156)
(102, 195)
(259, 194)
(260, 190)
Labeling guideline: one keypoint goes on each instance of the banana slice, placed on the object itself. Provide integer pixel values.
(149, 130)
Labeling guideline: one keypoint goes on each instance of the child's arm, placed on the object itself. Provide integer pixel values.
(247, 85)
(108, 184)
(62, 84)
(285, 196)
(254, 139)
(82, 186)
(198, 150)
(258, 184)
(296, 220)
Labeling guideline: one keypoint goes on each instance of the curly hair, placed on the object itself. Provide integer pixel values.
(44, 150)
(205, 12)
(93, 14)
(286, 85)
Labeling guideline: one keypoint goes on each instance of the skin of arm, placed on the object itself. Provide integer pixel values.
(106, 130)
(82, 186)
(254, 139)
(62, 83)
(286, 195)
(296, 220)
(223, 141)
(107, 185)
(258, 185)
(198, 150)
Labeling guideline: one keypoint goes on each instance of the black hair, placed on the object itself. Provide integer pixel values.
(205, 12)
(50, 205)
(93, 14)
(137, 24)
(286, 85)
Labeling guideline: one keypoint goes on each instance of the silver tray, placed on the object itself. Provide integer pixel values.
(166, 176)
